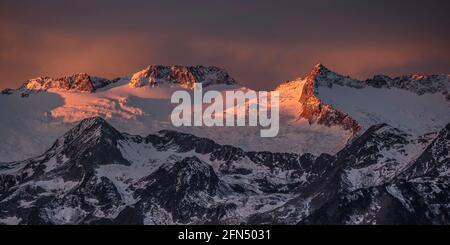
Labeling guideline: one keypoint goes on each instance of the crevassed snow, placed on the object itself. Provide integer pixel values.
(30, 125)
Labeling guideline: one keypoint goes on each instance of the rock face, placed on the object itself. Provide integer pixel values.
(378, 156)
(97, 175)
(185, 76)
(387, 194)
(419, 84)
(77, 83)
(7, 91)
(311, 106)
(317, 112)
(435, 160)
(153, 75)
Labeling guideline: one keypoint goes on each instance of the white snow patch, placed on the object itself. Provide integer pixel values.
(395, 192)
(66, 215)
(13, 220)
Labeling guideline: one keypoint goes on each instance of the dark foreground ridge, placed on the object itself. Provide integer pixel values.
(97, 175)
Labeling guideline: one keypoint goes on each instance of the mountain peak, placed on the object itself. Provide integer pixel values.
(90, 128)
(321, 76)
(93, 141)
(320, 67)
(185, 76)
(314, 77)
(318, 70)
(80, 82)
(93, 121)
(312, 108)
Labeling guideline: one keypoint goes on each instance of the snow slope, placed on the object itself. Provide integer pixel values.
(400, 108)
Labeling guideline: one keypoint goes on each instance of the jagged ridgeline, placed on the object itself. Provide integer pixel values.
(349, 151)
(94, 174)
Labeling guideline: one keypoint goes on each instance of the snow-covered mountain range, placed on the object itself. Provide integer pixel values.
(96, 175)
(319, 113)
(348, 152)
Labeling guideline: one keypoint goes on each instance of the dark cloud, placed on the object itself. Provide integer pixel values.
(259, 42)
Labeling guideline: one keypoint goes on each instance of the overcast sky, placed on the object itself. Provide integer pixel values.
(260, 43)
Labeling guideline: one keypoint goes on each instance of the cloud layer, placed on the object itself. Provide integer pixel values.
(261, 43)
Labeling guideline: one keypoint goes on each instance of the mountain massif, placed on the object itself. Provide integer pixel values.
(349, 151)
